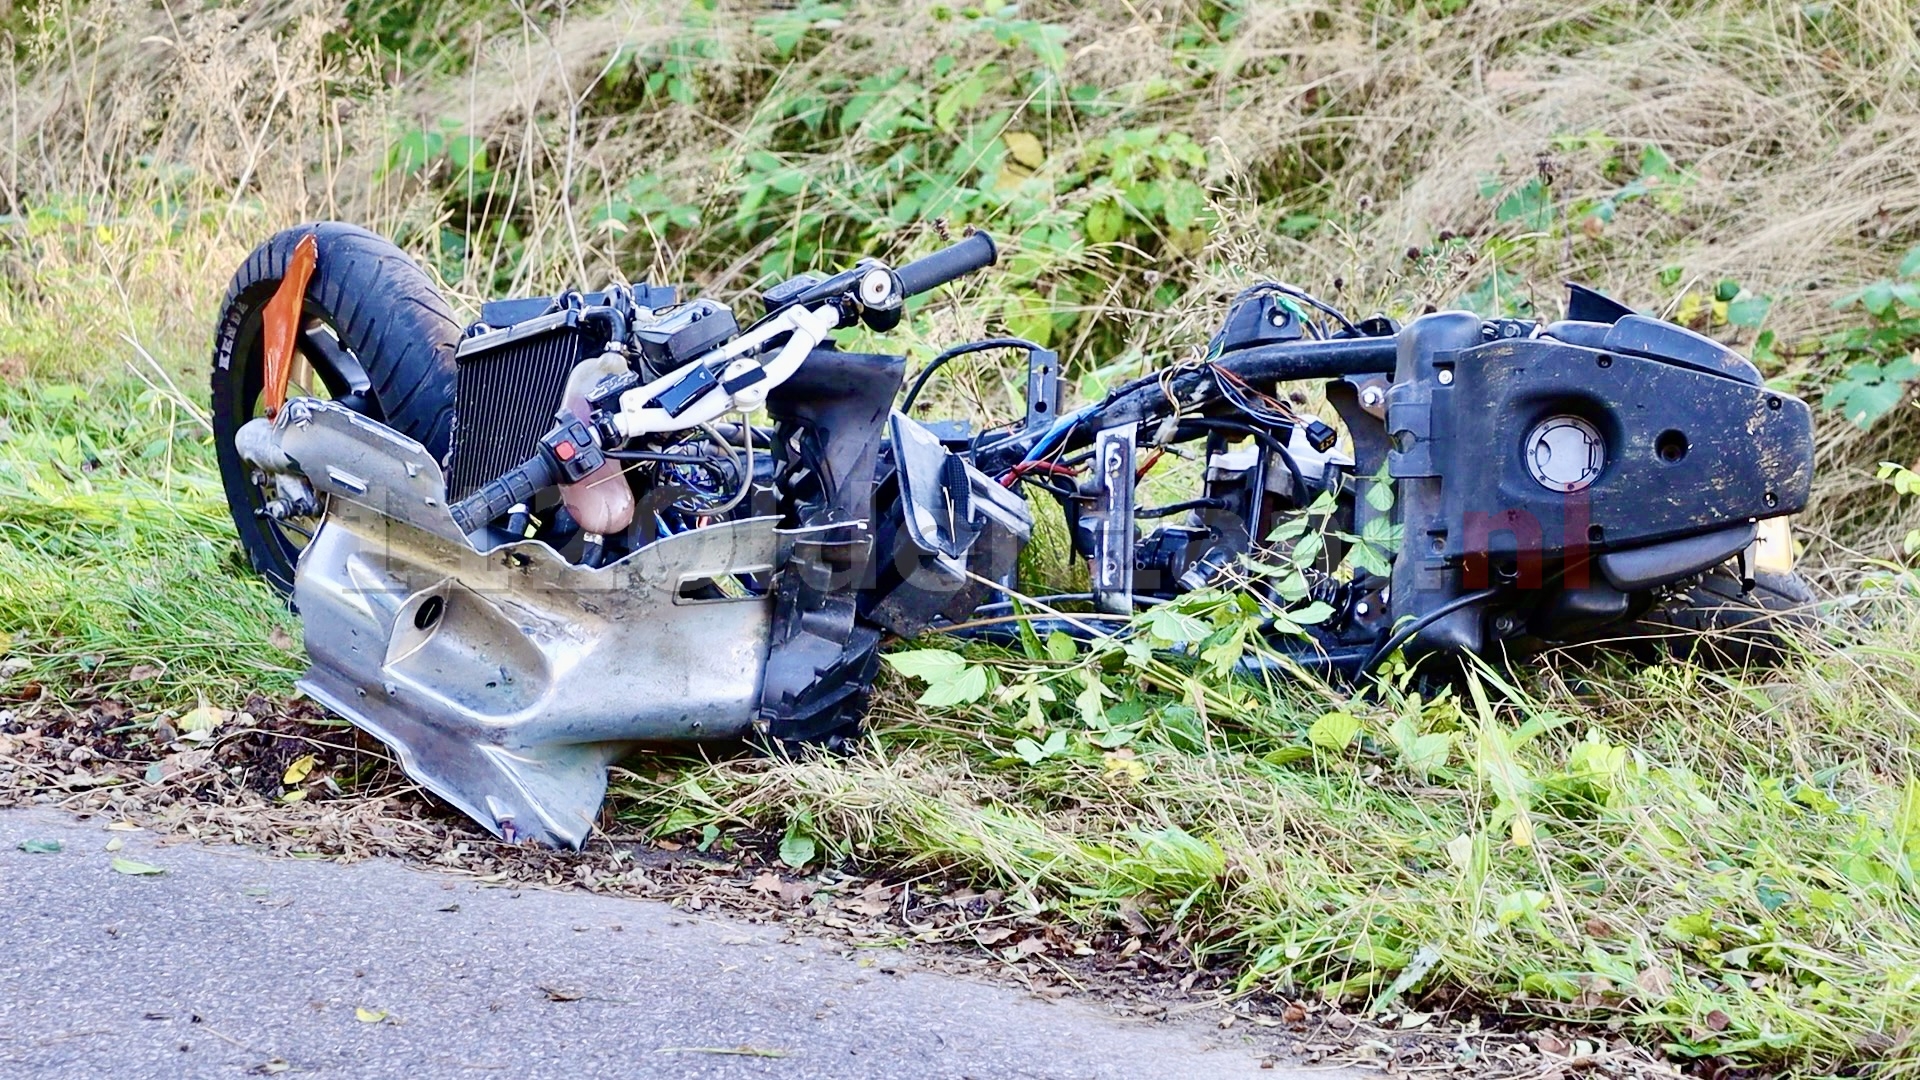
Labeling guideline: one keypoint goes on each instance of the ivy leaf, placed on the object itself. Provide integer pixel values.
(1307, 549)
(1380, 495)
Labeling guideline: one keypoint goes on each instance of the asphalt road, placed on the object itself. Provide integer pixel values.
(230, 964)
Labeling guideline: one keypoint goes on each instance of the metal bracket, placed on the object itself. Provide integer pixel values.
(1043, 388)
(1112, 520)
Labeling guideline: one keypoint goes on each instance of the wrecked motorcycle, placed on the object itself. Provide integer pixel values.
(584, 523)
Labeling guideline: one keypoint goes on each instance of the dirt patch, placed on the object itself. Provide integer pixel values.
(283, 777)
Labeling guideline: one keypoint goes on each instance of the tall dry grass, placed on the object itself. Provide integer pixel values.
(147, 151)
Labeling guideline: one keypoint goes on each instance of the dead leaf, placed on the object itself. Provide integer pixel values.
(187, 761)
(1549, 1043)
(993, 935)
(1032, 946)
(135, 868)
(1293, 1013)
(555, 993)
(789, 892)
(280, 639)
(1718, 1021)
(1656, 981)
(1025, 148)
(299, 769)
(199, 725)
(146, 672)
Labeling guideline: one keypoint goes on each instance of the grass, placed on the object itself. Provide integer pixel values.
(1720, 863)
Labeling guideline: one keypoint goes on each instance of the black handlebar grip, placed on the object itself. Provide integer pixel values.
(519, 485)
(976, 252)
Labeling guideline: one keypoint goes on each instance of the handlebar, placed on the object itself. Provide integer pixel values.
(519, 485)
(976, 252)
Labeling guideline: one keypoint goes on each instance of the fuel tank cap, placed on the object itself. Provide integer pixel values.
(1565, 453)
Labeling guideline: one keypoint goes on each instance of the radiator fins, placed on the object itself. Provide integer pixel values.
(506, 392)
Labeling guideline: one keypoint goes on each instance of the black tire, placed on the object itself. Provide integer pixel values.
(379, 336)
(1724, 623)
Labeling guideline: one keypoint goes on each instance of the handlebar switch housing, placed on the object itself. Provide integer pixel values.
(572, 448)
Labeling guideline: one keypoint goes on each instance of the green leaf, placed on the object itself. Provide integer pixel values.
(1530, 204)
(1333, 731)
(1750, 312)
(950, 679)
(1866, 393)
(1380, 495)
(1877, 298)
(1526, 904)
(930, 665)
(1104, 221)
(1172, 625)
(1910, 265)
(135, 868)
(969, 685)
(1034, 753)
(1316, 612)
(1061, 648)
(797, 847)
(40, 847)
(1421, 754)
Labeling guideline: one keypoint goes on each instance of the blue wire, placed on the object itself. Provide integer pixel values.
(1057, 432)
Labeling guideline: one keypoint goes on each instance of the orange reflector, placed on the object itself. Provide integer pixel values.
(280, 322)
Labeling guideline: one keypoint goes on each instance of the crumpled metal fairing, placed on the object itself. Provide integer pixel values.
(508, 680)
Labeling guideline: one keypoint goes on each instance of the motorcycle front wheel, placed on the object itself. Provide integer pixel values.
(375, 334)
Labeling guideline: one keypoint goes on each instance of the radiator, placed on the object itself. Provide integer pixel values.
(506, 392)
